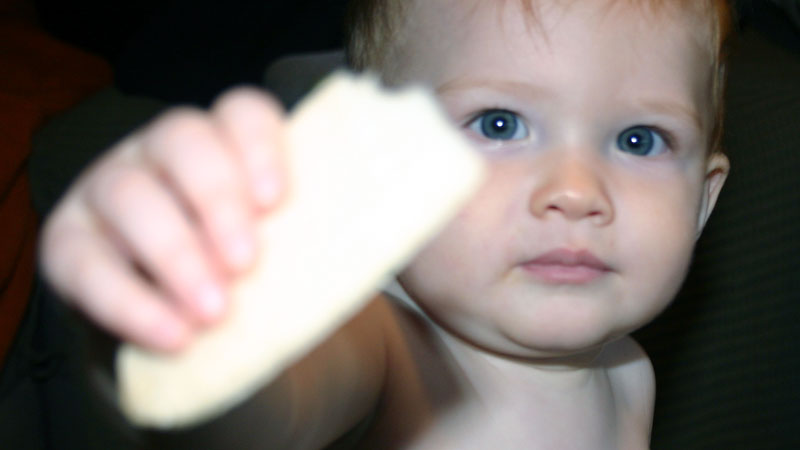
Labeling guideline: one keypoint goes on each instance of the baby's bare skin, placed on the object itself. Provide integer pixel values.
(521, 351)
(595, 122)
(439, 394)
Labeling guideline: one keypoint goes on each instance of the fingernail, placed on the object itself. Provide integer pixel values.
(211, 300)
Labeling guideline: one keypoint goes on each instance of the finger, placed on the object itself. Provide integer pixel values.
(253, 122)
(187, 147)
(136, 208)
(89, 274)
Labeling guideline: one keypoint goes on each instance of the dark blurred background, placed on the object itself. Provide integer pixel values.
(183, 50)
(187, 51)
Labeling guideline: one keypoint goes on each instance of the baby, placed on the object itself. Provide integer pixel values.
(599, 121)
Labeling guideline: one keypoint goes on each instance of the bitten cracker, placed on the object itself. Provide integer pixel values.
(373, 175)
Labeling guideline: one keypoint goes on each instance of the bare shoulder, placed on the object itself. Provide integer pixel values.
(632, 376)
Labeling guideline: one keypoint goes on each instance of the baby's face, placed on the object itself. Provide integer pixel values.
(595, 122)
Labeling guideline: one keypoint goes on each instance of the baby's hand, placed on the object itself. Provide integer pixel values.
(147, 239)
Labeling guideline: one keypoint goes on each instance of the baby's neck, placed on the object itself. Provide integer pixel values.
(491, 374)
(458, 395)
(535, 403)
(486, 370)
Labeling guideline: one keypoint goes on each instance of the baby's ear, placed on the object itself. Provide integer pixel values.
(717, 168)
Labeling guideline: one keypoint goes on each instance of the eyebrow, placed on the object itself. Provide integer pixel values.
(664, 106)
(507, 86)
(670, 108)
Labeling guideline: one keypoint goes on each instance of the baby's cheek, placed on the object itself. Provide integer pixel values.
(662, 255)
(435, 267)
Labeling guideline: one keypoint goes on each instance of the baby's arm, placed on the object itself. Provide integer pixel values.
(163, 226)
(147, 240)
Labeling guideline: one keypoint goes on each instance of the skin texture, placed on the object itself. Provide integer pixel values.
(576, 82)
(503, 353)
(575, 87)
(146, 239)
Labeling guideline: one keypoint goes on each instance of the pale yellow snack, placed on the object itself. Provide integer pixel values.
(373, 175)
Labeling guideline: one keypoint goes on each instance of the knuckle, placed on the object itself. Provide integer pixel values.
(248, 116)
(63, 238)
(189, 149)
(173, 254)
(51, 230)
(247, 97)
(212, 190)
(175, 131)
(178, 268)
(178, 118)
(87, 276)
(55, 251)
(116, 185)
(223, 210)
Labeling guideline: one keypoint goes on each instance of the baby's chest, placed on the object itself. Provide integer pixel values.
(416, 419)
(429, 402)
(475, 428)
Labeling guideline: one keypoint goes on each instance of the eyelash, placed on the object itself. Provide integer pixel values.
(474, 121)
(666, 136)
(644, 141)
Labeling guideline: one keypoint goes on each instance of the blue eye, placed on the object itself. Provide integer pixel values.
(499, 125)
(641, 140)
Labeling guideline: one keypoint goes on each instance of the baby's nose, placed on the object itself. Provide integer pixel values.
(575, 190)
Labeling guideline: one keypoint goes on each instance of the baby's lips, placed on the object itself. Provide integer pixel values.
(570, 258)
(564, 266)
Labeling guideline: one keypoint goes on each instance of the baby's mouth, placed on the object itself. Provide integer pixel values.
(564, 266)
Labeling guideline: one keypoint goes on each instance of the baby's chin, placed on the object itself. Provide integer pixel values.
(563, 336)
(564, 345)
(555, 350)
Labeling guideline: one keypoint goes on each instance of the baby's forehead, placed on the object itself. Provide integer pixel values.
(433, 41)
(427, 22)
(409, 13)
(557, 43)
(431, 27)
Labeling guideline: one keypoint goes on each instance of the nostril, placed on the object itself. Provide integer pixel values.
(602, 216)
(572, 194)
(575, 207)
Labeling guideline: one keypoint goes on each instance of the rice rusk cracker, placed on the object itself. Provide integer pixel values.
(373, 174)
